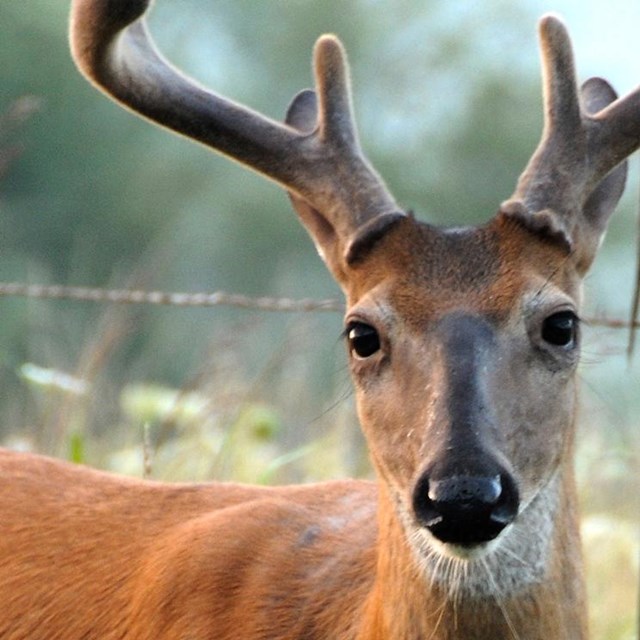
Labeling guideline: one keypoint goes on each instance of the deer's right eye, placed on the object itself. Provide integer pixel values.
(363, 339)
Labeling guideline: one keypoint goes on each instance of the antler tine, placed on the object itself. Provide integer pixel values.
(616, 133)
(560, 89)
(321, 163)
(548, 181)
(366, 197)
(337, 126)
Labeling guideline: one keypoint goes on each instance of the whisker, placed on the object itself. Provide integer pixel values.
(440, 610)
(504, 549)
(497, 596)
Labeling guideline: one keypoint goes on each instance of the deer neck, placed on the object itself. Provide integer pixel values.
(440, 599)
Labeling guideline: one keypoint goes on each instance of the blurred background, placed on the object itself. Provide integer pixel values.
(447, 97)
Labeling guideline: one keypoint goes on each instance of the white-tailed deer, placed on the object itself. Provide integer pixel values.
(463, 345)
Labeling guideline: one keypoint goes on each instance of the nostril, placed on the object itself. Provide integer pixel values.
(466, 509)
(506, 507)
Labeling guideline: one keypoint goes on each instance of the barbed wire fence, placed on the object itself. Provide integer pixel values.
(164, 298)
(214, 299)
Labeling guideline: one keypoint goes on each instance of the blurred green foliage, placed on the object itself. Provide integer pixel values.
(447, 97)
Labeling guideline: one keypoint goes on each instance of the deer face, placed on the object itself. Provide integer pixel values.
(463, 356)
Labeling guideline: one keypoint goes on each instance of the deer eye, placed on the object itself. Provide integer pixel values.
(560, 329)
(363, 339)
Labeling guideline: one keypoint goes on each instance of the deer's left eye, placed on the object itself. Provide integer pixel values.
(363, 339)
(561, 329)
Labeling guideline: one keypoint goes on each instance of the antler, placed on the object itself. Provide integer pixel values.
(320, 162)
(571, 183)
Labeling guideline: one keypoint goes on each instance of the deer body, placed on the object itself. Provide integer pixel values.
(117, 558)
(463, 348)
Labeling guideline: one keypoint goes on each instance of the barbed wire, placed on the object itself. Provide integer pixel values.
(210, 299)
(175, 299)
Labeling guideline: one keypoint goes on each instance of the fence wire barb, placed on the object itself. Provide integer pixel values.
(204, 299)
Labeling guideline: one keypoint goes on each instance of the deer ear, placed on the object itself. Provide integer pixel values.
(302, 115)
(597, 94)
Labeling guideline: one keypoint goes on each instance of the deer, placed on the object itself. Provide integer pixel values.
(463, 344)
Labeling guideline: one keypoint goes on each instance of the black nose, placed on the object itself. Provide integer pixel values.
(466, 509)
